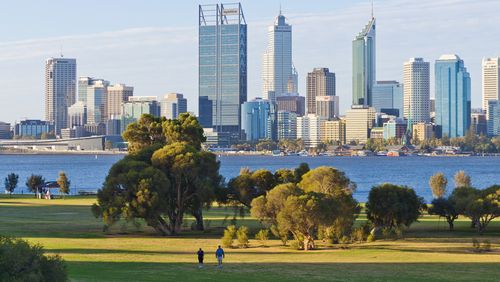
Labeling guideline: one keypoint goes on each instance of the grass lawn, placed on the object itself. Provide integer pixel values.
(67, 227)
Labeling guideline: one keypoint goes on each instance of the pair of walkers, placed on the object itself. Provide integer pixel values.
(219, 254)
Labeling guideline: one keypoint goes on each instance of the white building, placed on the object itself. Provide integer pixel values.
(117, 95)
(172, 105)
(309, 130)
(359, 121)
(60, 90)
(77, 114)
(327, 107)
(97, 97)
(278, 73)
(491, 81)
(416, 80)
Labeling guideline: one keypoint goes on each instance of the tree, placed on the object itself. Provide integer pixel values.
(249, 185)
(438, 183)
(461, 179)
(302, 169)
(481, 206)
(266, 145)
(185, 128)
(11, 182)
(35, 183)
(283, 176)
(147, 131)
(445, 207)
(391, 206)
(63, 183)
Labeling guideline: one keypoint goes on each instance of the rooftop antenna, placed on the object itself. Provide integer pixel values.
(372, 9)
(61, 49)
(280, 8)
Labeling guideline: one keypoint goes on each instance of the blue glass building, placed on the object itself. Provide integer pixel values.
(258, 119)
(453, 97)
(363, 65)
(222, 84)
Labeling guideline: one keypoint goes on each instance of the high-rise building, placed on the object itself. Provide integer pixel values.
(5, 130)
(333, 131)
(478, 121)
(359, 121)
(291, 102)
(287, 125)
(97, 94)
(33, 127)
(320, 82)
(256, 119)
(278, 73)
(60, 90)
(453, 97)
(77, 114)
(416, 80)
(491, 81)
(83, 83)
(309, 130)
(363, 65)
(327, 107)
(422, 131)
(136, 107)
(172, 105)
(494, 117)
(394, 128)
(222, 66)
(117, 95)
(387, 97)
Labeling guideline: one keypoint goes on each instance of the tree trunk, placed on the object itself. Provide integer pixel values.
(198, 215)
(450, 223)
(308, 243)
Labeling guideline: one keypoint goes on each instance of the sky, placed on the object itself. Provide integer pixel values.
(152, 44)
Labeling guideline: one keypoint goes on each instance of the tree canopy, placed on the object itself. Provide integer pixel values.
(11, 182)
(438, 183)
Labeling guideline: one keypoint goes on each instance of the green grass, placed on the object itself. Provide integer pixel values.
(67, 227)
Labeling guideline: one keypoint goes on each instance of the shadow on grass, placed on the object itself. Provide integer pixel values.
(143, 271)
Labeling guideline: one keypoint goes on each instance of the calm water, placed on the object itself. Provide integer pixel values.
(88, 173)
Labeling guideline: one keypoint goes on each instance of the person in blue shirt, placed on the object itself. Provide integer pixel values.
(201, 254)
(219, 254)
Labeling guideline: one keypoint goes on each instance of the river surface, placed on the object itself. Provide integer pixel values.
(87, 172)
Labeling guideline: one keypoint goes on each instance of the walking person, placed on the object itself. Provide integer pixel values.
(201, 254)
(219, 254)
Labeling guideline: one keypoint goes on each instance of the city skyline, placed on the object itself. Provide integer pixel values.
(308, 51)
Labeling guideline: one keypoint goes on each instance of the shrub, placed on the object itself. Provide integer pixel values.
(229, 234)
(486, 247)
(262, 236)
(296, 245)
(359, 234)
(282, 235)
(242, 236)
(370, 238)
(20, 261)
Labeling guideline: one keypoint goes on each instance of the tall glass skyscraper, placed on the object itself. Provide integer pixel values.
(453, 97)
(363, 65)
(222, 82)
(278, 73)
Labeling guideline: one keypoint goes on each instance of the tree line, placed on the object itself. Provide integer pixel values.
(35, 183)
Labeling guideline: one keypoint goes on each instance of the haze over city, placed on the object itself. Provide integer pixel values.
(153, 45)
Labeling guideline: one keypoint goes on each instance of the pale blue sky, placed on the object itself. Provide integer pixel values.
(152, 44)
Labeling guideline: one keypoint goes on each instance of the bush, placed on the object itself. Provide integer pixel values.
(370, 238)
(20, 261)
(242, 236)
(228, 238)
(296, 245)
(486, 246)
(282, 235)
(262, 236)
(359, 234)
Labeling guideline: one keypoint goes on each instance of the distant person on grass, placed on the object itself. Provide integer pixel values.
(201, 254)
(219, 254)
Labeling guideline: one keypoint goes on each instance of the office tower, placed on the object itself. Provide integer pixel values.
(493, 117)
(95, 129)
(327, 107)
(309, 130)
(359, 121)
(416, 80)
(333, 131)
(97, 94)
(291, 102)
(394, 128)
(287, 125)
(278, 73)
(222, 66)
(83, 83)
(172, 105)
(77, 114)
(5, 130)
(60, 90)
(363, 65)
(33, 128)
(136, 107)
(491, 81)
(387, 97)
(478, 120)
(256, 119)
(320, 82)
(453, 97)
(117, 95)
(422, 131)
(113, 126)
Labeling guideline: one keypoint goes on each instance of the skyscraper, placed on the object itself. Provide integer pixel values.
(117, 95)
(494, 118)
(293, 103)
(387, 96)
(320, 82)
(491, 81)
(172, 105)
(278, 72)
(60, 90)
(287, 125)
(256, 117)
(97, 94)
(136, 107)
(453, 97)
(222, 66)
(327, 107)
(363, 65)
(416, 80)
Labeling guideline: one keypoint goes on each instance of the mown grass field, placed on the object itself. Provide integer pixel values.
(66, 227)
